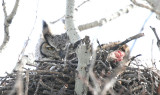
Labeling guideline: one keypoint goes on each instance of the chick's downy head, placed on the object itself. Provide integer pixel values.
(116, 56)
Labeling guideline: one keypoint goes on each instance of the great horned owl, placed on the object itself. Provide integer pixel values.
(57, 41)
(48, 51)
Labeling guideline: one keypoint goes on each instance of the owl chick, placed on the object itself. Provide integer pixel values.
(48, 51)
(57, 41)
(117, 55)
(121, 55)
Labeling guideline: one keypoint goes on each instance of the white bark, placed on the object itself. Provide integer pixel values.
(83, 75)
(71, 30)
(7, 22)
(106, 19)
(82, 53)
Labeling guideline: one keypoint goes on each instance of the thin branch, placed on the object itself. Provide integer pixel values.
(155, 33)
(75, 9)
(81, 4)
(57, 19)
(37, 87)
(27, 41)
(127, 40)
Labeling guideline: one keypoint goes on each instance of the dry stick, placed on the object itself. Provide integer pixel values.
(26, 42)
(57, 61)
(127, 40)
(152, 86)
(27, 82)
(7, 22)
(37, 87)
(50, 72)
(46, 86)
(53, 22)
(62, 90)
(158, 40)
(81, 4)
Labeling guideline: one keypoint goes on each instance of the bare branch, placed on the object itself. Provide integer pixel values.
(7, 22)
(128, 40)
(100, 22)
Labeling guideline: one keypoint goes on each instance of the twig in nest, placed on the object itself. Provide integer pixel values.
(46, 86)
(56, 61)
(38, 84)
(62, 90)
(127, 40)
(99, 44)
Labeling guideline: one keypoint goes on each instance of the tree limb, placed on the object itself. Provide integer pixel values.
(83, 53)
(7, 21)
(107, 19)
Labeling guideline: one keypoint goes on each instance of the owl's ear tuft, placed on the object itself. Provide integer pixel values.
(44, 24)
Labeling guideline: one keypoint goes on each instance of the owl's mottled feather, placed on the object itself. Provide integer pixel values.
(57, 41)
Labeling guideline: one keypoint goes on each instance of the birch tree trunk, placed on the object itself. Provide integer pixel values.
(82, 53)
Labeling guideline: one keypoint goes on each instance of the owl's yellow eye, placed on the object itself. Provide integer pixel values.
(50, 48)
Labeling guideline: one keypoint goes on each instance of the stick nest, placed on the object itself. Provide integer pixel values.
(57, 77)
